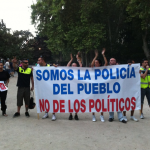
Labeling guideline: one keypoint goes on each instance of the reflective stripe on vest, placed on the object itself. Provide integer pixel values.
(27, 71)
(144, 82)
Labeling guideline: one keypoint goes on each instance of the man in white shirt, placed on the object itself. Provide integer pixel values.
(7, 65)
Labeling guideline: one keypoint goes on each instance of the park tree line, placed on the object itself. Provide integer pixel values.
(13, 43)
(121, 26)
(21, 44)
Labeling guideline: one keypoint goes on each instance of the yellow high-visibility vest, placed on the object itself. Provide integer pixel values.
(144, 82)
(27, 71)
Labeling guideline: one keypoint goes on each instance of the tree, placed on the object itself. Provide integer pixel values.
(15, 44)
(86, 25)
(139, 14)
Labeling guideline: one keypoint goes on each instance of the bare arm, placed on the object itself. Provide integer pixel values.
(145, 74)
(15, 66)
(69, 63)
(105, 59)
(32, 82)
(7, 81)
(79, 60)
(96, 55)
(80, 64)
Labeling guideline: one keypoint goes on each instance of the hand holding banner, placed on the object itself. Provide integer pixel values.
(99, 89)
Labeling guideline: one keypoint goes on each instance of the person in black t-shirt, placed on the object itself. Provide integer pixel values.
(23, 83)
(4, 78)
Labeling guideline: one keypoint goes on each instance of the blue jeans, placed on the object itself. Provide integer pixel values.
(120, 116)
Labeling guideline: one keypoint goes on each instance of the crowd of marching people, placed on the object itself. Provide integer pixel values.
(25, 76)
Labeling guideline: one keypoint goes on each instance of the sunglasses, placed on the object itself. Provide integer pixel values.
(25, 62)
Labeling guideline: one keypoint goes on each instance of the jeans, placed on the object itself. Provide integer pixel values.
(120, 116)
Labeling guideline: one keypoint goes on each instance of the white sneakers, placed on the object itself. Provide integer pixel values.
(125, 118)
(133, 118)
(102, 118)
(142, 116)
(46, 116)
(53, 117)
(94, 118)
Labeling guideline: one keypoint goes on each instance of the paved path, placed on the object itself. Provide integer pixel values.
(32, 134)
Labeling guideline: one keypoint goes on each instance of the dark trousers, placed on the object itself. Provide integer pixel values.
(145, 92)
(3, 96)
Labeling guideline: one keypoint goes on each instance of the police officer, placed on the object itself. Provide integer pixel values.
(145, 84)
(23, 83)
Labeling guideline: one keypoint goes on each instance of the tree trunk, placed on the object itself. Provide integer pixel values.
(145, 47)
(86, 60)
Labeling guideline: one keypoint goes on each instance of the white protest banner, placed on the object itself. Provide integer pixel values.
(76, 89)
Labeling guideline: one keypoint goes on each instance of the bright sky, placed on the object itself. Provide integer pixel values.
(16, 14)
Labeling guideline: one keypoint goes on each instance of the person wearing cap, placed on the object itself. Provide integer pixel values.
(23, 83)
(42, 63)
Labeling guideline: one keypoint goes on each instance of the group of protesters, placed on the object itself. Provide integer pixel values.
(25, 75)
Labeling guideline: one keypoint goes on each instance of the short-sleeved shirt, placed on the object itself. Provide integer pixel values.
(7, 65)
(24, 78)
(4, 76)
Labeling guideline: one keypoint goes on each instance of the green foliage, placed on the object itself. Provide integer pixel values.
(14, 44)
(68, 29)
(86, 25)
